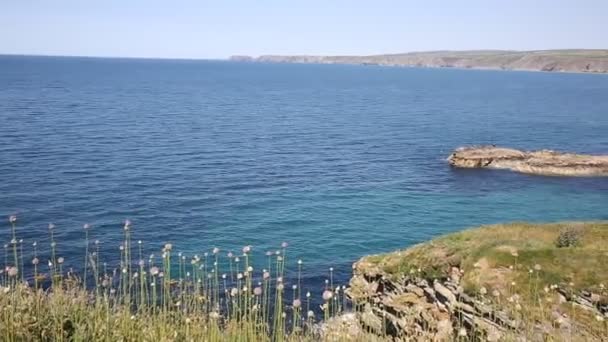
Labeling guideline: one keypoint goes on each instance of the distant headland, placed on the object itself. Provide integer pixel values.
(575, 60)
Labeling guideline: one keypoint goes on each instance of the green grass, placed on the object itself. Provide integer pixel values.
(514, 259)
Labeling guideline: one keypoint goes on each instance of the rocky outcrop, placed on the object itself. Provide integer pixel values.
(545, 162)
(495, 283)
(589, 61)
(440, 310)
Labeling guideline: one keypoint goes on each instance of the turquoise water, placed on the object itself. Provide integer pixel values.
(339, 161)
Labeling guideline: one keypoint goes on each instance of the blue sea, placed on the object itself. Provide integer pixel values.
(339, 161)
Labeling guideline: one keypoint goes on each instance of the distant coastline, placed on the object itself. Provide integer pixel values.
(578, 61)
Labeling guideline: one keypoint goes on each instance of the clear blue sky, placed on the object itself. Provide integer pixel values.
(217, 29)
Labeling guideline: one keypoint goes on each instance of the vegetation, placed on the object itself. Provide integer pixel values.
(549, 279)
(171, 298)
(540, 275)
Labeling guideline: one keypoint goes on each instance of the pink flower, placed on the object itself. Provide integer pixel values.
(127, 224)
(216, 250)
(257, 291)
(246, 249)
(154, 270)
(12, 218)
(12, 271)
(86, 226)
(327, 295)
(284, 245)
(230, 255)
(296, 303)
(35, 261)
(266, 275)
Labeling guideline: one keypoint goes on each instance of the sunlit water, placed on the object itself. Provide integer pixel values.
(339, 161)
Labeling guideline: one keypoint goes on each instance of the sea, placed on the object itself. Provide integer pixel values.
(339, 161)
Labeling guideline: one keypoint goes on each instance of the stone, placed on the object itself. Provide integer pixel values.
(543, 162)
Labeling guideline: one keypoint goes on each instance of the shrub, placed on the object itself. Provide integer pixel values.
(569, 237)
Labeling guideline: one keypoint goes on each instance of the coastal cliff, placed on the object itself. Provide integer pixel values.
(501, 282)
(591, 61)
(545, 162)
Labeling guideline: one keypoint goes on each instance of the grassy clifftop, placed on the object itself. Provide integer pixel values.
(511, 280)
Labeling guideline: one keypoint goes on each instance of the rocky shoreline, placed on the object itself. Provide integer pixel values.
(488, 284)
(545, 162)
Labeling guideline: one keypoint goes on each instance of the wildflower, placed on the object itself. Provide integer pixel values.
(230, 255)
(280, 287)
(34, 244)
(599, 318)
(283, 315)
(537, 267)
(257, 291)
(496, 293)
(462, 332)
(294, 287)
(13, 241)
(105, 283)
(296, 303)
(168, 247)
(266, 275)
(280, 279)
(483, 291)
(517, 307)
(12, 271)
(50, 263)
(239, 276)
(237, 259)
(284, 244)
(60, 260)
(141, 263)
(327, 295)
(245, 289)
(277, 252)
(331, 269)
(214, 315)
(188, 320)
(279, 258)
(139, 242)
(300, 262)
(97, 242)
(135, 275)
(112, 291)
(51, 226)
(35, 261)
(86, 226)
(234, 292)
(246, 249)
(224, 276)
(515, 254)
(124, 270)
(154, 270)
(307, 294)
(127, 224)
(310, 314)
(268, 253)
(216, 250)
(12, 218)
(121, 247)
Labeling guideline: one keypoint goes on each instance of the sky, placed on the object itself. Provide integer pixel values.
(218, 29)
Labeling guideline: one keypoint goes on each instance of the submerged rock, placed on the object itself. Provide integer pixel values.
(545, 162)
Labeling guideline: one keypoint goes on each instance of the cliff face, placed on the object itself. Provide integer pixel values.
(504, 282)
(544, 162)
(593, 61)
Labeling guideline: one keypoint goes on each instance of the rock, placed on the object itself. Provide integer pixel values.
(448, 297)
(538, 162)
(414, 289)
